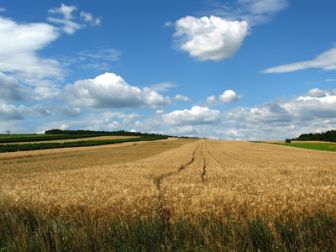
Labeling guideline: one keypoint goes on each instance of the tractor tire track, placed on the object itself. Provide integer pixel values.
(163, 212)
(158, 179)
(204, 163)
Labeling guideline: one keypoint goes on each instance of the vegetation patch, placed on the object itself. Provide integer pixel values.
(28, 230)
(328, 136)
(57, 134)
(322, 146)
(53, 145)
(311, 145)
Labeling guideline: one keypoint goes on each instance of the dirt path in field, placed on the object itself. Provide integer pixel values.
(204, 166)
(164, 212)
(200, 159)
(158, 179)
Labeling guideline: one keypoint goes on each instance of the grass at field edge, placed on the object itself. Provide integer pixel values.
(25, 230)
(311, 146)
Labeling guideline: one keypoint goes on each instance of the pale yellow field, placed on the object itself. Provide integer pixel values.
(182, 178)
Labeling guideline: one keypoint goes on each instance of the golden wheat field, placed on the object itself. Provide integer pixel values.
(189, 178)
(176, 179)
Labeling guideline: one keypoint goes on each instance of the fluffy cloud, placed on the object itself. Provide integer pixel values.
(10, 112)
(110, 90)
(267, 113)
(316, 92)
(19, 45)
(320, 105)
(211, 99)
(220, 35)
(105, 120)
(182, 131)
(66, 19)
(195, 116)
(180, 97)
(311, 112)
(226, 97)
(210, 38)
(325, 61)
(10, 89)
(316, 105)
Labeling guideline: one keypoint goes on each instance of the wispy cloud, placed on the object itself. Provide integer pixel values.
(162, 86)
(98, 59)
(253, 11)
(90, 19)
(64, 16)
(324, 61)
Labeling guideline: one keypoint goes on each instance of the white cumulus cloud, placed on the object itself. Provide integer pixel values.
(195, 116)
(228, 96)
(315, 111)
(10, 89)
(111, 90)
(211, 99)
(19, 45)
(316, 92)
(210, 38)
(10, 112)
(180, 97)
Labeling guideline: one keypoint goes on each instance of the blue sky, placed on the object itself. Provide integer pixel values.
(240, 69)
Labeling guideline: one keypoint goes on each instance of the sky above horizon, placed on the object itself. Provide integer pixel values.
(236, 69)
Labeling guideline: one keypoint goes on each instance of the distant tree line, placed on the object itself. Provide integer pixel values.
(101, 133)
(329, 136)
